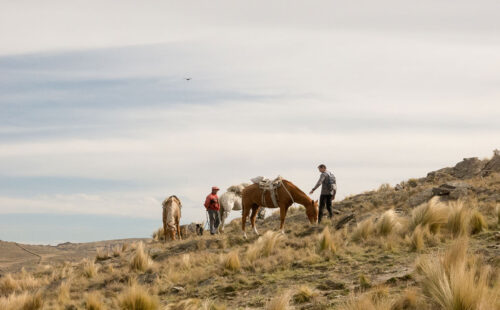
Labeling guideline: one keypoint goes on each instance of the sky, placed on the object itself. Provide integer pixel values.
(98, 123)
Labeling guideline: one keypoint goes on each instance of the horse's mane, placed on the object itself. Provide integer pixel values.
(169, 200)
(295, 187)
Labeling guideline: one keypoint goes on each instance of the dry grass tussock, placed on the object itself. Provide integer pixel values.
(417, 238)
(137, 298)
(63, 292)
(19, 283)
(304, 294)
(455, 282)
(376, 299)
(101, 254)
(264, 246)
(386, 224)
(158, 235)
(497, 211)
(140, 260)
(280, 302)
(326, 243)
(195, 304)
(433, 214)
(458, 219)
(88, 268)
(117, 250)
(408, 300)
(93, 301)
(23, 301)
(477, 222)
(363, 230)
(231, 261)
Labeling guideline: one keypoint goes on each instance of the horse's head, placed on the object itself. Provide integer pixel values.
(312, 211)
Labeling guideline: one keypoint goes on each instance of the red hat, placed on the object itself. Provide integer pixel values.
(215, 188)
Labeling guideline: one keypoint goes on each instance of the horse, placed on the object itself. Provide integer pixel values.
(230, 200)
(171, 216)
(286, 194)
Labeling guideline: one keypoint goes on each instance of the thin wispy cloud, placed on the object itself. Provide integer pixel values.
(98, 118)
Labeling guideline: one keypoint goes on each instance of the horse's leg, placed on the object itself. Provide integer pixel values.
(223, 216)
(165, 225)
(283, 211)
(178, 229)
(253, 216)
(245, 213)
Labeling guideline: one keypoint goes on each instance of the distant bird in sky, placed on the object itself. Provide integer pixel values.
(188, 79)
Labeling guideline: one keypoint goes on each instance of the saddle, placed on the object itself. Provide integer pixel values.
(271, 186)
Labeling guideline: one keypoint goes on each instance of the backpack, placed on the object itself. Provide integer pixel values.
(330, 180)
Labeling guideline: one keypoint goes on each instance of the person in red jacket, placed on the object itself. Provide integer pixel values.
(212, 206)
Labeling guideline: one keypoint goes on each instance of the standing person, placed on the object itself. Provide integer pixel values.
(328, 190)
(212, 206)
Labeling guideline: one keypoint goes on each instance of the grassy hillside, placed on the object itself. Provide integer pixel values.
(429, 243)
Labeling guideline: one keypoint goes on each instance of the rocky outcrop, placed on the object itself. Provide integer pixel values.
(493, 165)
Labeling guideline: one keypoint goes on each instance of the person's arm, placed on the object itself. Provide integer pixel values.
(207, 202)
(321, 179)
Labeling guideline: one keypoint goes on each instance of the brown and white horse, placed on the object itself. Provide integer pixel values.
(171, 216)
(286, 195)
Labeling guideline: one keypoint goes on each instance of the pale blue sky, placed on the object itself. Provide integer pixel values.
(97, 119)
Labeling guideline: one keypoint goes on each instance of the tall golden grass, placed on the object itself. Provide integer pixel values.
(326, 243)
(140, 260)
(280, 302)
(432, 214)
(93, 301)
(137, 298)
(24, 301)
(363, 230)
(454, 282)
(231, 261)
(264, 246)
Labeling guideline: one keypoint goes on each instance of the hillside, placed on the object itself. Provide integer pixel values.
(427, 243)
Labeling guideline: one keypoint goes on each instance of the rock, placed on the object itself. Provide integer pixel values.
(344, 220)
(454, 189)
(147, 278)
(443, 189)
(398, 187)
(468, 168)
(493, 165)
(421, 197)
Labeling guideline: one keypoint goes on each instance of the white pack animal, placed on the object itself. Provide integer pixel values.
(230, 200)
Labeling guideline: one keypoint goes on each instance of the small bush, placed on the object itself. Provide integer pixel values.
(326, 243)
(280, 302)
(137, 298)
(231, 261)
(409, 300)
(140, 261)
(304, 294)
(477, 222)
(363, 230)
(93, 301)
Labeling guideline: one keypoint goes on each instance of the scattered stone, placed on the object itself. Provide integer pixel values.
(421, 197)
(344, 220)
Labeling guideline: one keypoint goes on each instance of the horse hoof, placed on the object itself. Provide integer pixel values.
(245, 235)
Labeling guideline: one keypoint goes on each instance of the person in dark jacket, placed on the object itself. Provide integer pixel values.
(328, 190)
(212, 205)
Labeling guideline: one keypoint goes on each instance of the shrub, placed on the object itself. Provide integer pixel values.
(326, 243)
(231, 261)
(140, 261)
(137, 298)
(477, 222)
(363, 230)
(23, 281)
(304, 294)
(93, 301)
(264, 246)
(117, 250)
(280, 302)
(432, 214)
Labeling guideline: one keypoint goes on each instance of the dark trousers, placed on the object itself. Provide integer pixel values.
(213, 216)
(325, 201)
